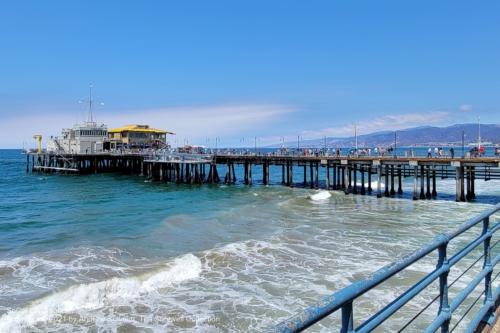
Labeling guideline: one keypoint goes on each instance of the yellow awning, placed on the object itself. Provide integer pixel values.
(138, 128)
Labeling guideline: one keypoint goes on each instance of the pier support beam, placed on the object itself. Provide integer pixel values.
(422, 181)
(265, 171)
(227, 177)
(305, 175)
(467, 183)
(245, 171)
(311, 173)
(347, 179)
(462, 184)
(393, 192)
(369, 178)
(334, 176)
(316, 179)
(379, 181)
(327, 169)
(233, 173)
(459, 176)
(386, 192)
(434, 192)
(415, 182)
(196, 174)
(340, 178)
(428, 194)
(472, 182)
(343, 177)
(250, 174)
(355, 180)
(400, 181)
(362, 170)
(285, 168)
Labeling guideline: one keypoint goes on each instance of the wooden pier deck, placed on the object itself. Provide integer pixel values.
(351, 174)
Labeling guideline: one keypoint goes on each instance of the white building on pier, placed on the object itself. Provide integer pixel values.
(86, 138)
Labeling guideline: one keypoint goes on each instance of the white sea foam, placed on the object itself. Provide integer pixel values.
(373, 184)
(321, 195)
(100, 294)
(51, 270)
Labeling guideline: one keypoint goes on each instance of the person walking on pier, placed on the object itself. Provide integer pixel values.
(429, 152)
(452, 152)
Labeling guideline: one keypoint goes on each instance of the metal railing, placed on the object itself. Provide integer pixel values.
(173, 156)
(343, 299)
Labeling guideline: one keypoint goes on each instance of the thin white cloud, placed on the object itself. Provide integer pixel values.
(465, 108)
(194, 123)
(382, 123)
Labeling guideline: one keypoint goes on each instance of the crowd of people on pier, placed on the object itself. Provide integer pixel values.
(436, 152)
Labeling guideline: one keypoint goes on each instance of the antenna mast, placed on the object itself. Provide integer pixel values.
(356, 138)
(91, 118)
(479, 133)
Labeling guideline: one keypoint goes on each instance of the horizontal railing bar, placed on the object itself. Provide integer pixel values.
(467, 311)
(404, 298)
(479, 317)
(469, 248)
(473, 284)
(333, 302)
(495, 228)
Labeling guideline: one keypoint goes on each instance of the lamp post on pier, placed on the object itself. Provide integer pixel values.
(463, 144)
(395, 143)
(355, 140)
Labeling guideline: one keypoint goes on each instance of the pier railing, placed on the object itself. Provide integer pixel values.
(173, 156)
(344, 299)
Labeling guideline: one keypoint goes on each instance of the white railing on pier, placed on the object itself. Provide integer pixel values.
(173, 156)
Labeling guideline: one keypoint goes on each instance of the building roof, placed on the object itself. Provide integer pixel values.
(138, 128)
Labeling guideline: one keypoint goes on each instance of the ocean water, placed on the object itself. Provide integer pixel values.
(113, 253)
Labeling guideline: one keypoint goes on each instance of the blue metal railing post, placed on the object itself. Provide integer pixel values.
(347, 319)
(488, 295)
(444, 307)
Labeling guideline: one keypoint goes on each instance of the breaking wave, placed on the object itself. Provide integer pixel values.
(100, 294)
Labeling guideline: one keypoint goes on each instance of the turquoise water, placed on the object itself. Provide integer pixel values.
(106, 253)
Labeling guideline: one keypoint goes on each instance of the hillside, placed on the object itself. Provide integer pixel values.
(417, 136)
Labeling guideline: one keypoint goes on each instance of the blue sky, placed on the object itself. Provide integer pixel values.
(240, 69)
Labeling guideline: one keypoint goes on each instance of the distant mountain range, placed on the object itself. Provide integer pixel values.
(416, 136)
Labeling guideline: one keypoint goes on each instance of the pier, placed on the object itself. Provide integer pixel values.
(350, 174)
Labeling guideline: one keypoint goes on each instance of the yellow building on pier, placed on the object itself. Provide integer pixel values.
(137, 136)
